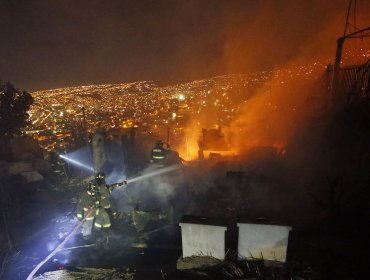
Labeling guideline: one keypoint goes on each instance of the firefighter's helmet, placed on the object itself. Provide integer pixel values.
(100, 177)
(159, 143)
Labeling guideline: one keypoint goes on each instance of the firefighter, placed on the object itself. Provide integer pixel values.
(96, 198)
(158, 154)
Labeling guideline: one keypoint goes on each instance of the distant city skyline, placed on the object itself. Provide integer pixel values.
(57, 115)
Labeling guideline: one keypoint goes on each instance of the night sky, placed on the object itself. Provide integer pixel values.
(49, 44)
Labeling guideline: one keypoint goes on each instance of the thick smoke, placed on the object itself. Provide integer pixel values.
(280, 32)
(280, 131)
(273, 130)
(297, 40)
(281, 106)
(152, 189)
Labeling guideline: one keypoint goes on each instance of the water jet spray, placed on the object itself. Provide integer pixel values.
(149, 175)
(76, 163)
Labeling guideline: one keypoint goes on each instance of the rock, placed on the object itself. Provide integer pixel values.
(32, 176)
(195, 262)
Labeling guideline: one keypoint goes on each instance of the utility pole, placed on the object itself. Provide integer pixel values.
(354, 33)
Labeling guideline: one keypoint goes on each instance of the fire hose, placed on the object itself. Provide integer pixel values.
(73, 232)
(59, 247)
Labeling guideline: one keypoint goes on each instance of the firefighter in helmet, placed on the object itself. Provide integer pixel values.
(158, 154)
(95, 199)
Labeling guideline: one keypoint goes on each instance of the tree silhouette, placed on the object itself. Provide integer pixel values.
(14, 105)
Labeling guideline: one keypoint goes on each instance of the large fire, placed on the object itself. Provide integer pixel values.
(189, 148)
(280, 106)
(269, 118)
(273, 115)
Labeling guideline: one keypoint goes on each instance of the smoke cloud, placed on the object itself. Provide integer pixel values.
(279, 131)
(297, 40)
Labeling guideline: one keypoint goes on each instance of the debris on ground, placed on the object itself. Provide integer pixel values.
(195, 262)
(88, 274)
